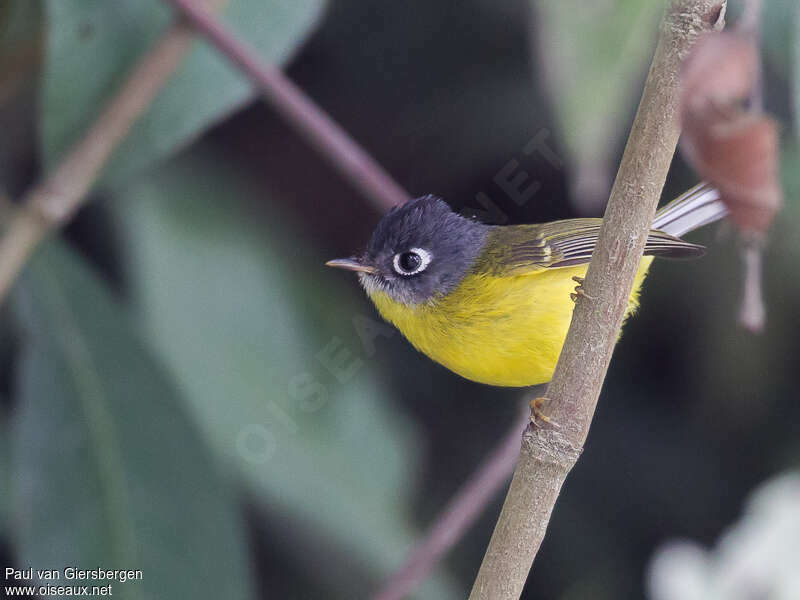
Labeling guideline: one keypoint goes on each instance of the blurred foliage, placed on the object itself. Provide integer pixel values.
(109, 469)
(18, 41)
(233, 359)
(785, 239)
(91, 47)
(20, 55)
(756, 558)
(795, 67)
(780, 33)
(270, 358)
(594, 57)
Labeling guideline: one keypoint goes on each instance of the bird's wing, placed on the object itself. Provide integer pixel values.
(521, 249)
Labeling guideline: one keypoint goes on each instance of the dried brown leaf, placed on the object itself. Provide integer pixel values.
(731, 146)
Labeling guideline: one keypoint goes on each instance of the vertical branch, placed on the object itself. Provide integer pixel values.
(549, 450)
(752, 311)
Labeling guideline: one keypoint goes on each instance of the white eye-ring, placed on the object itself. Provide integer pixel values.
(411, 262)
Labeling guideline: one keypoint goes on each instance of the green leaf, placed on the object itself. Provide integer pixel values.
(778, 37)
(243, 311)
(780, 44)
(783, 239)
(93, 44)
(107, 469)
(594, 56)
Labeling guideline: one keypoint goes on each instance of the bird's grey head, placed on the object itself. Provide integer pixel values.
(418, 251)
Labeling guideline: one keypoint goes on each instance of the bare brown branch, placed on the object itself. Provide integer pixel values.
(322, 132)
(53, 201)
(459, 515)
(549, 450)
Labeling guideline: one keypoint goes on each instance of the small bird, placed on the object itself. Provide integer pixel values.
(493, 303)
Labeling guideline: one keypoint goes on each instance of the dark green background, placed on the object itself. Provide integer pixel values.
(187, 303)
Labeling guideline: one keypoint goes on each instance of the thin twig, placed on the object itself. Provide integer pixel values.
(752, 310)
(750, 18)
(750, 23)
(550, 449)
(324, 134)
(53, 201)
(459, 515)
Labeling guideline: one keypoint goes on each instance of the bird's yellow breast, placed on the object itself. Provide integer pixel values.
(505, 331)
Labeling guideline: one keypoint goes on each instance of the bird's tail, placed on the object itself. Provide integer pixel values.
(691, 210)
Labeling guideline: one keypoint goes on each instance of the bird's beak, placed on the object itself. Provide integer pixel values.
(351, 264)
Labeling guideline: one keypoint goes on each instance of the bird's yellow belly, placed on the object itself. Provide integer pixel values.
(505, 331)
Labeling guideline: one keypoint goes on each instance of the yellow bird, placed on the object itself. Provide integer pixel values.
(493, 303)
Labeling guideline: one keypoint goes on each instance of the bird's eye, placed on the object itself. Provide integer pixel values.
(411, 262)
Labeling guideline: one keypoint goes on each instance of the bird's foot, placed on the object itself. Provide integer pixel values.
(537, 416)
(579, 293)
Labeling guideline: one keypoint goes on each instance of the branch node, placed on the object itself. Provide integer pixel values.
(715, 18)
(550, 446)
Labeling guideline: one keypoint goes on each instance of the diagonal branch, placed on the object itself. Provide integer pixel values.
(52, 202)
(458, 516)
(548, 451)
(310, 121)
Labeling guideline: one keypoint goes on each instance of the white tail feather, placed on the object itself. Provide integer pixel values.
(699, 206)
